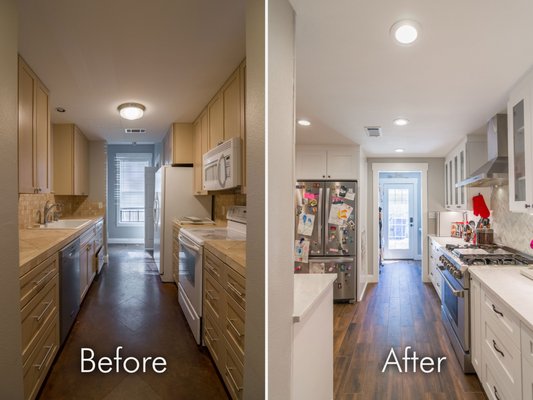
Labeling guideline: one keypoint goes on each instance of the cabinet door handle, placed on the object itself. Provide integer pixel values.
(230, 321)
(213, 270)
(229, 375)
(40, 366)
(38, 317)
(323, 176)
(496, 348)
(210, 296)
(496, 393)
(496, 310)
(527, 205)
(234, 290)
(40, 281)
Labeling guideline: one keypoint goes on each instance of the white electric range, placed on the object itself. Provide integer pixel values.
(191, 249)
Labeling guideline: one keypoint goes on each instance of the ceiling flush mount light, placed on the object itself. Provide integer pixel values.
(401, 121)
(405, 32)
(303, 122)
(399, 150)
(131, 111)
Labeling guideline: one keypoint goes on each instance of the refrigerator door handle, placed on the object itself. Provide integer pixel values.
(319, 218)
(333, 259)
(326, 219)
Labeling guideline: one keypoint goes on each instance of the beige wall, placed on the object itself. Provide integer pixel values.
(254, 362)
(280, 187)
(435, 193)
(97, 171)
(10, 340)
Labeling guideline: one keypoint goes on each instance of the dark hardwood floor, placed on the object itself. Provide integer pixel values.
(397, 312)
(129, 306)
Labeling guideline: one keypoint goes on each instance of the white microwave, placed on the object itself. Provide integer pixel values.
(222, 166)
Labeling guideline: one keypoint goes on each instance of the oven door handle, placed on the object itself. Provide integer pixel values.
(455, 292)
(183, 240)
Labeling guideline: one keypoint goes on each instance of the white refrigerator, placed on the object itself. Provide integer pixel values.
(173, 198)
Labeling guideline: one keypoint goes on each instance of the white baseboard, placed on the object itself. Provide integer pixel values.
(125, 241)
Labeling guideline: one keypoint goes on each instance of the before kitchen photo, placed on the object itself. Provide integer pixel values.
(266, 199)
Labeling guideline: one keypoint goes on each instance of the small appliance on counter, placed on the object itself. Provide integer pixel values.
(444, 221)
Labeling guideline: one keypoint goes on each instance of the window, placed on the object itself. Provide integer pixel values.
(129, 187)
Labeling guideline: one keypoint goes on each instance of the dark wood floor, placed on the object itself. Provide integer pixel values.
(129, 306)
(400, 311)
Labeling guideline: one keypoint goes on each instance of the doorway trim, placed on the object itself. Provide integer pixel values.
(416, 193)
(399, 167)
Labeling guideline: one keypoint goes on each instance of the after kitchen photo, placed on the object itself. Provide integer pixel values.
(266, 199)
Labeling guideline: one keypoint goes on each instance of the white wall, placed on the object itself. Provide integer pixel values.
(362, 240)
(280, 192)
(10, 340)
(254, 362)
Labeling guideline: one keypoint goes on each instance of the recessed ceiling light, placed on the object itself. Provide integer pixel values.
(131, 111)
(399, 150)
(401, 121)
(60, 109)
(405, 32)
(304, 122)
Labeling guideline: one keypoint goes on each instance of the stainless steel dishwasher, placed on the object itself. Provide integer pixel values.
(69, 287)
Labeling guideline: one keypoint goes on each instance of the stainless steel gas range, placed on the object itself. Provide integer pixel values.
(453, 266)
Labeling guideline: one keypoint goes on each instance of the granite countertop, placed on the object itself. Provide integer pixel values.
(308, 290)
(35, 245)
(232, 252)
(512, 288)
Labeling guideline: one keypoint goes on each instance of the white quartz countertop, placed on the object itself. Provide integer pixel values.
(308, 290)
(444, 240)
(511, 287)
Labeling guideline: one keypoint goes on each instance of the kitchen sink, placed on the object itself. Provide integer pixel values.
(64, 224)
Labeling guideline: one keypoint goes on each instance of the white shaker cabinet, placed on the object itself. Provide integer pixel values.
(475, 317)
(325, 164)
(459, 164)
(520, 142)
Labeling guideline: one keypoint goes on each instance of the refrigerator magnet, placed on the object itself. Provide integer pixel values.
(350, 195)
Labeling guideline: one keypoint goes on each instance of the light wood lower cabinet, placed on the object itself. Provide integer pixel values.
(224, 320)
(87, 260)
(39, 289)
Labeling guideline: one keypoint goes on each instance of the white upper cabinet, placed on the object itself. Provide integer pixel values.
(325, 164)
(460, 163)
(520, 147)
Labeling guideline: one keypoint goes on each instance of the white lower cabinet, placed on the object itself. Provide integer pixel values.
(434, 274)
(502, 347)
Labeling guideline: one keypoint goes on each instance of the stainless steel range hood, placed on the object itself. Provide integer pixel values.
(496, 170)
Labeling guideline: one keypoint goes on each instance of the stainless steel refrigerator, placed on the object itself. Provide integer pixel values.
(326, 232)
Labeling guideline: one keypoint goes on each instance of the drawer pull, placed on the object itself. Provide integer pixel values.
(40, 281)
(38, 317)
(496, 348)
(211, 338)
(230, 376)
(230, 321)
(213, 270)
(496, 310)
(40, 366)
(234, 290)
(496, 393)
(209, 296)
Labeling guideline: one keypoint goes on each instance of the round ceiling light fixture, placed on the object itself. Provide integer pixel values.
(131, 111)
(60, 109)
(400, 121)
(399, 150)
(405, 32)
(303, 122)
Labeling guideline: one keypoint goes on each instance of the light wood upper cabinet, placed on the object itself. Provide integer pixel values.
(231, 93)
(215, 111)
(33, 132)
(178, 144)
(201, 135)
(71, 160)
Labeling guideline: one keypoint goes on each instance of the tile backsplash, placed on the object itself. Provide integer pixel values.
(223, 201)
(31, 207)
(510, 229)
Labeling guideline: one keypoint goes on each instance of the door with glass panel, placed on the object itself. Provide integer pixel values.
(399, 233)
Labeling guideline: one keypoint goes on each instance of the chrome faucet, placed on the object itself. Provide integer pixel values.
(47, 208)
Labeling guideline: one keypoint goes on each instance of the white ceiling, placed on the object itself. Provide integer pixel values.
(170, 55)
(350, 73)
